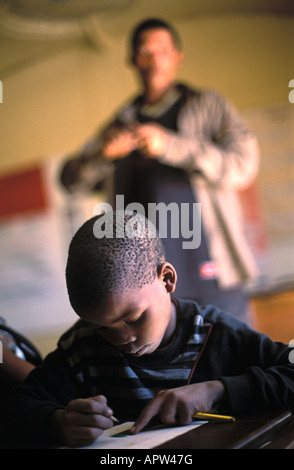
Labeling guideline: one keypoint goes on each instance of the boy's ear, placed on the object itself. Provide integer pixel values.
(168, 274)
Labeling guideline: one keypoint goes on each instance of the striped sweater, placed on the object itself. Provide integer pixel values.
(129, 382)
(208, 345)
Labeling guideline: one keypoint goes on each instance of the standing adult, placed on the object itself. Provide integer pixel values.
(173, 143)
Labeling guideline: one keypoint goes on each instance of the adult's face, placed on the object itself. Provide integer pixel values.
(157, 59)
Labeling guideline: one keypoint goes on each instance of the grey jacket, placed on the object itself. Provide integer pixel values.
(221, 157)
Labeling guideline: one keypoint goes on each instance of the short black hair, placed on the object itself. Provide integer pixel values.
(154, 23)
(97, 267)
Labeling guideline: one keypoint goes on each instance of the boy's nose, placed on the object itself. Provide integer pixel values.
(122, 335)
(128, 339)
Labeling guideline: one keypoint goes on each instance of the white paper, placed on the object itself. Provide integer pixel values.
(143, 440)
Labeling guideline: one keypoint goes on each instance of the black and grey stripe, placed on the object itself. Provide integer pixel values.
(130, 382)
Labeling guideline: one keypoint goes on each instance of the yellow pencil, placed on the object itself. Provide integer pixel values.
(213, 417)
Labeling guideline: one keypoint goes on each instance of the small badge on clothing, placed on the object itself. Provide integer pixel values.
(208, 270)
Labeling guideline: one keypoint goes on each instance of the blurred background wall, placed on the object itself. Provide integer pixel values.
(63, 81)
(57, 92)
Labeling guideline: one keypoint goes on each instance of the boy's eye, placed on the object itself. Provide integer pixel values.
(135, 320)
(131, 322)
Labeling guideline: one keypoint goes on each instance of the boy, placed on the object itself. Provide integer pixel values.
(136, 353)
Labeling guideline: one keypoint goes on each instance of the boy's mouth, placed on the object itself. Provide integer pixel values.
(138, 352)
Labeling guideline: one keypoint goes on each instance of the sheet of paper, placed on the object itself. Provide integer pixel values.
(115, 437)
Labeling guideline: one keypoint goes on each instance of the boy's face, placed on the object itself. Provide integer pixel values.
(137, 321)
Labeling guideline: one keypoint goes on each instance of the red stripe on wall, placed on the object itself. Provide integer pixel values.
(22, 193)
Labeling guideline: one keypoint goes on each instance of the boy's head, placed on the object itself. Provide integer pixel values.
(122, 284)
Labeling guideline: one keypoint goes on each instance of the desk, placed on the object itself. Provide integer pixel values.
(268, 430)
(272, 430)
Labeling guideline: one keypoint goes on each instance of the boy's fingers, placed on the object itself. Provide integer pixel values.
(82, 435)
(90, 420)
(100, 399)
(91, 406)
(151, 410)
(103, 402)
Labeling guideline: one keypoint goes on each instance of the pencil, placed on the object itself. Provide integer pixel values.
(213, 417)
(114, 420)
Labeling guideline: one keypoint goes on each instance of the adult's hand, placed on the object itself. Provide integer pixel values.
(118, 144)
(151, 139)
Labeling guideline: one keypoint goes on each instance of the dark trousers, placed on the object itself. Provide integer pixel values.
(233, 301)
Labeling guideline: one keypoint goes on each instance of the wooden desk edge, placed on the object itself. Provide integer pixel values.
(264, 433)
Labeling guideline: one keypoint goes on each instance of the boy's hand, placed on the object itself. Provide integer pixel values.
(82, 421)
(179, 404)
